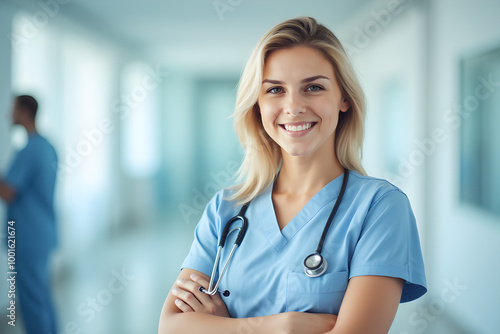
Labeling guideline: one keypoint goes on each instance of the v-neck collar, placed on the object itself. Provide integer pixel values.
(265, 206)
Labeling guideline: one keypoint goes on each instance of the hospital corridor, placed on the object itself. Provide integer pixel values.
(136, 98)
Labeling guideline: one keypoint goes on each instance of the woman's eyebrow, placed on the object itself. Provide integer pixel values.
(278, 82)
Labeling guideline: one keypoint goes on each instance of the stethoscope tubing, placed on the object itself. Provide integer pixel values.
(213, 287)
(314, 271)
(212, 290)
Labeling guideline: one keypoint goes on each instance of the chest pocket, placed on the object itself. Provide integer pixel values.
(322, 294)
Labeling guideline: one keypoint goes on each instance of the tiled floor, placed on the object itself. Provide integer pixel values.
(149, 262)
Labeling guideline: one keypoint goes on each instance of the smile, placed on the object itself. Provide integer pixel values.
(298, 128)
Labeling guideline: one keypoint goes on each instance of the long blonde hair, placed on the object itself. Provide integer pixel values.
(262, 160)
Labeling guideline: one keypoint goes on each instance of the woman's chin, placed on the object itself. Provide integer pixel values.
(297, 151)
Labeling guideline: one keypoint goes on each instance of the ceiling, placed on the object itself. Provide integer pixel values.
(189, 33)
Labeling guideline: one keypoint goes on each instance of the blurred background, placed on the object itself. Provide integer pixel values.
(136, 98)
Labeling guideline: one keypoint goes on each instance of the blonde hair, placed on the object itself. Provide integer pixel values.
(262, 160)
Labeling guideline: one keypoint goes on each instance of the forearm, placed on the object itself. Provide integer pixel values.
(187, 310)
(194, 322)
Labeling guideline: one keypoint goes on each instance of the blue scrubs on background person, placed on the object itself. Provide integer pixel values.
(374, 233)
(32, 175)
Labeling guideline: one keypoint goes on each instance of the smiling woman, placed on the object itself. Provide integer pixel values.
(283, 103)
(299, 116)
(306, 39)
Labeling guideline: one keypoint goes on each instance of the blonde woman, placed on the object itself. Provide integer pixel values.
(327, 249)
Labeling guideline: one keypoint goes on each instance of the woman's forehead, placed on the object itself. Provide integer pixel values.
(296, 63)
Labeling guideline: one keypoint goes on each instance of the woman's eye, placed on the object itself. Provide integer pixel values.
(314, 88)
(275, 90)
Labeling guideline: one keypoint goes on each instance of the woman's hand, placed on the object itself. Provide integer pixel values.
(310, 323)
(191, 299)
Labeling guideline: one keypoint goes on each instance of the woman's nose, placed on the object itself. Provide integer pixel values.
(294, 105)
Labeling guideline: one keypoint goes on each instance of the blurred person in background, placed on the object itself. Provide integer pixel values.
(28, 190)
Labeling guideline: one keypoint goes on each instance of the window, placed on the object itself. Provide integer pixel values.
(479, 131)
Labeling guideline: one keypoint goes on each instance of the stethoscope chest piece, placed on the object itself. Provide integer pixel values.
(315, 265)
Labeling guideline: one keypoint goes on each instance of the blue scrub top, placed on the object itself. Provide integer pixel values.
(373, 233)
(32, 175)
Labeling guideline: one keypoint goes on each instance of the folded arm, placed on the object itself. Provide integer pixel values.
(196, 312)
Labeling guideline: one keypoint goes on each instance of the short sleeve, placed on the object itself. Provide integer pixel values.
(21, 171)
(389, 245)
(201, 256)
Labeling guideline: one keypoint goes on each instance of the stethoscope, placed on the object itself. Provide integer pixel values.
(315, 264)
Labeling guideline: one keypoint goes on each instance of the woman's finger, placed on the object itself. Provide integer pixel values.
(200, 280)
(188, 298)
(204, 283)
(194, 288)
(183, 306)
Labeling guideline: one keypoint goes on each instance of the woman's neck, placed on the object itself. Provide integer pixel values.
(306, 175)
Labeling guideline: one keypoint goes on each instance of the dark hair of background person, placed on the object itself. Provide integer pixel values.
(28, 103)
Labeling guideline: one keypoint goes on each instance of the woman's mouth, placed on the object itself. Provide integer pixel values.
(298, 129)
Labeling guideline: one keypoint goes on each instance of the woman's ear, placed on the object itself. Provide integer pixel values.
(345, 105)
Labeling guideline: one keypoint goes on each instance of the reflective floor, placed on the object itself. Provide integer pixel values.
(118, 287)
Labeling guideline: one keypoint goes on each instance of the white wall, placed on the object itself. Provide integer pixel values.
(6, 13)
(422, 46)
(465, 242)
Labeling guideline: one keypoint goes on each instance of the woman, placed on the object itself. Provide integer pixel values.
(299, 116)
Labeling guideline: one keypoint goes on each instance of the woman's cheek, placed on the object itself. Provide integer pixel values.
(269, 116)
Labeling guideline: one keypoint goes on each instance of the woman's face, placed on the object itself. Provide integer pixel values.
(300, 100)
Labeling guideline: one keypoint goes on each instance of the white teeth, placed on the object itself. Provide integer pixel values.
(298, 128)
